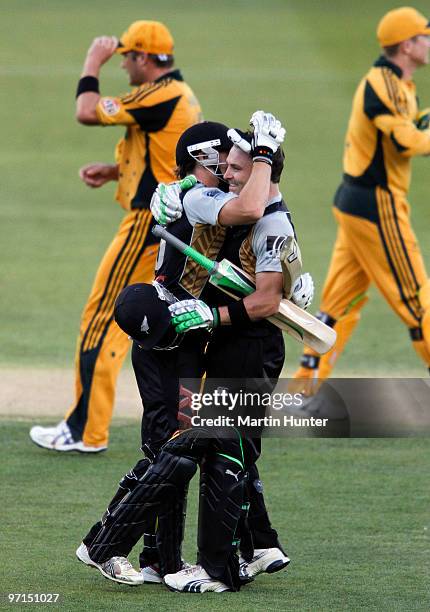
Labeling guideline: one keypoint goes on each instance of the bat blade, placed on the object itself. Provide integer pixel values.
(304, 327)
(296, 322)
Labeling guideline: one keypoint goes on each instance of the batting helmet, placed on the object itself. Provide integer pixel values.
(202, 143)
(142, 312)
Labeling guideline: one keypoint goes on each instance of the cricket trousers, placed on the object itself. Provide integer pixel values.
(102, 345)
(257, 353)
(375, 244)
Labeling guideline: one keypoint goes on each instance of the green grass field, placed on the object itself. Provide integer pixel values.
(353, 513)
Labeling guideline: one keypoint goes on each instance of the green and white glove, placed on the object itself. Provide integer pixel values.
(193, 314)
(166, 205)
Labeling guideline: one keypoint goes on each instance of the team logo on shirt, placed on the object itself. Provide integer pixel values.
(274, 245)
(110, 106)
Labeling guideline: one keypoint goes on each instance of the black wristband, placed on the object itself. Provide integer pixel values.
(238, 314)
(262, 154)
(87, 83)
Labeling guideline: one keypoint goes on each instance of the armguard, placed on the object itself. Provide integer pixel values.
(291, 263)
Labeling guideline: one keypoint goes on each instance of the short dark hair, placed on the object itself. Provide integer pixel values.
(392, 50)
(186, 168)
(162, 63)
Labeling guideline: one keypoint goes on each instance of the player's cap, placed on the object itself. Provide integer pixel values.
(144, 316)
(401, 24)
(147, 37)
(202, 136)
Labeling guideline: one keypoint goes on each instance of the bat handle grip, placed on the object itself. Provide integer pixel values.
(161, 233)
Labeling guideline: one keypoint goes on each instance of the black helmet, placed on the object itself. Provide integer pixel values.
(203, 142)
(142, 312)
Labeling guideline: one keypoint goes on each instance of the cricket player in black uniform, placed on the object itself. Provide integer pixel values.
(244, 348)
(157, 373)
(213, 559)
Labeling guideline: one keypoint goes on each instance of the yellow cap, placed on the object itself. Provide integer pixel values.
(148, 37)
(401, 24)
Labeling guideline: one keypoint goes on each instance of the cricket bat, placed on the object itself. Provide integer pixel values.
(296, 322)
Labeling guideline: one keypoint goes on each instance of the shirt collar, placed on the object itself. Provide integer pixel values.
(277, 198)
(382, 61)
(173, 74)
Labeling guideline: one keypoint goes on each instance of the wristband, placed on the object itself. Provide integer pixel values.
(239, 316)
(262, 153)
(87, 83)
(262, 159)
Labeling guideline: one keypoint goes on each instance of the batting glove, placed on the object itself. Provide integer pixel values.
(423, 120)
(303, 292)
(267, 137)
(193, 314)
(238, 141)
(166, 205)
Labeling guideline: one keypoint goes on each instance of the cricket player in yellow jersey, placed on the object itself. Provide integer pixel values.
(155, 114)
(375, 241)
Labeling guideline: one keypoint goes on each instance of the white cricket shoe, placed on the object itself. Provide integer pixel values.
(151, 573)
(59, 438)
(194, 579)
(45, 436)
(119, 569)
(244, 576)
(268, 560)
(82, 554)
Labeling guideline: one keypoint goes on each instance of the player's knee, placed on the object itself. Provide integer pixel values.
(130, 480)
(350, 315)
(220, 473)
(194, 443)
(177, 470)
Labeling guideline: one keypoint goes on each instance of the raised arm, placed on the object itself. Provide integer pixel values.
(88, 94)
